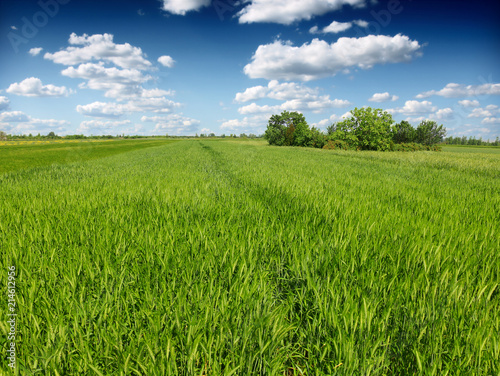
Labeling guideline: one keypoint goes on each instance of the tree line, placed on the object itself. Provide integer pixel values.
(366, 129)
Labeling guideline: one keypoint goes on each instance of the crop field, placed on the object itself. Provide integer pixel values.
(206, 257)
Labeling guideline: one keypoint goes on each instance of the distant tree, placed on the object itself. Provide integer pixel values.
(243, 135)
(331, 129)
(211, 135)
(281, 129)
(430, 133)
(51, 135)
(366, 129)
(318, 138)
(3, 136)
(403, 133)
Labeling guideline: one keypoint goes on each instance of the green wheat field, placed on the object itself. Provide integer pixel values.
(222, 257)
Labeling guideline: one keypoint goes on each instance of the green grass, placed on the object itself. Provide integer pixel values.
(227, 258)
(15, 156)
(471, 149)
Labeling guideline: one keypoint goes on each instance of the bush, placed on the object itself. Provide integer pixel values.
(366, 129)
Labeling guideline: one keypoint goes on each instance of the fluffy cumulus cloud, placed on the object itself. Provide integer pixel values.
(96, 47)
(116, 83)
(295, 97)
(35, 51)
(317, 59)
(490, 114)
(288, 11)
(166, 61)
(383, 97)
(181, 7)
(468, 103)
(331, 120)
(17, 122)
(116, 110)
(101, 127)
(443, 114)
(33, 87)
(413, 108)
(338, 27)
(4, 103)
(120, 71)
(173, 124)
(249, 124)
(453, 90)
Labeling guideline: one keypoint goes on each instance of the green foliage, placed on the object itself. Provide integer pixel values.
(366, 129)
(429, 133)
(414, 147)
(337, 144)
(318, 138)
(288, 129)
(403, 133)
(218, 257)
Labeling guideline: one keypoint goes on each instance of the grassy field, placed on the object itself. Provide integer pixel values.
(236, 258)
(15, 155)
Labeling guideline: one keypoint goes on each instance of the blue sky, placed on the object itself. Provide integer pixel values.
(182, 67)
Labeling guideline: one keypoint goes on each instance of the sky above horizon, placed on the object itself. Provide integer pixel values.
(185, 67)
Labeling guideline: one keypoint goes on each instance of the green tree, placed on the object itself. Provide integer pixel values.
(281, 129)
(366, 129)
(429, 133)
(403, 133)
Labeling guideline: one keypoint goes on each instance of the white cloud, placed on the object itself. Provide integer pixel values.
(253, 124)
(35, 51)
(453, 90)
(252, 94)
(102, 109)
(14, 117)
(361, 23)
(332, 119)
(289, 11)
(4, 103)
(295, 97)
(337, 27)
(383, 97)
(115, 110)
(256, 109)
(181, 7)
(17, 122)
(297, 105)
(414, 108)
(173, 123)
(117, 83)
(33, 87)
(318, 59)
(491, 120)
(468, 103)
(166, 61)
(100, 127)
(444, 113)
(487, 112)
(100, 47)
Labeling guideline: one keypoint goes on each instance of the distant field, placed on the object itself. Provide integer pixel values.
(472, 149)
(15, 155)
(236, 258)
